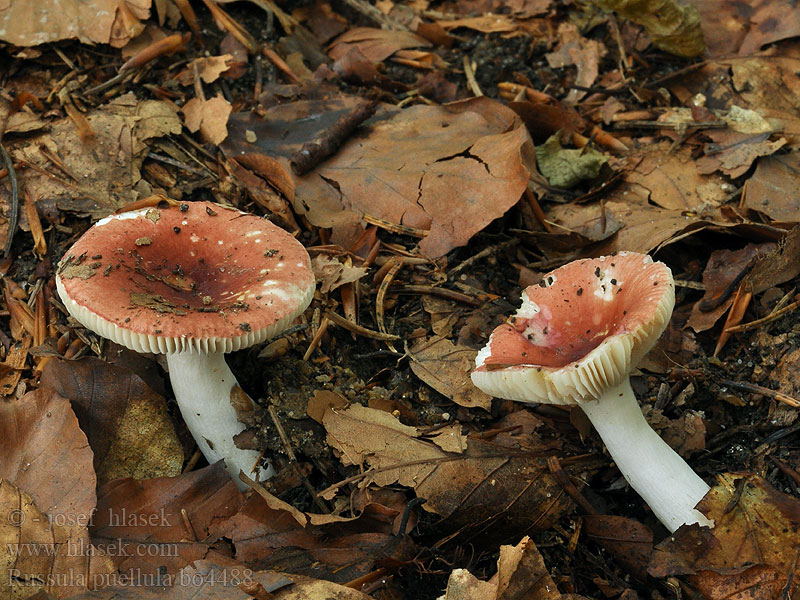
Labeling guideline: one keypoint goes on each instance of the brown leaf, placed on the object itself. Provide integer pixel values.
(754, 545)
(25, 23)
(339, 550)
(144, 521)
(375, 44)
(730, 28)
(630, 542)
(521, 575)
(733, 153)
(672, 181)
(106, 182)
(450, 170)
(332, 273)
(47, 498)
(772, 190)
(446, 170)
(126, 422)
(209, 117)
(574, 49)
(209, 69)
(462, 488)
(446, 368)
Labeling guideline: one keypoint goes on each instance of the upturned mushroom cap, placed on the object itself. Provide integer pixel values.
(199, 277)
(579, 332)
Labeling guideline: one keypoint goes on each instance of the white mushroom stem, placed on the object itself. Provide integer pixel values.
(662, 478)
(202, 385)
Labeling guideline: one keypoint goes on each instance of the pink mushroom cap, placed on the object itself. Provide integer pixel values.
(200, 277)
(580, 331)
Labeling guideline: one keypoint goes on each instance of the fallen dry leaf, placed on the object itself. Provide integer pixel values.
(733, 153)
(446, 367)
(47, 498)
(331, 273)
(375, 44)
(340, 550)
(521, 575)
(464, 489)
(144, 520)
(630, 542)
(772, 190)
(754, 545)
(674, 27)
(208, 68)
(115, 22)
(484, 24)
(731, 28)
(127, 424)
(209, 117)
(574, 49)
(447, 171)
(107, 181)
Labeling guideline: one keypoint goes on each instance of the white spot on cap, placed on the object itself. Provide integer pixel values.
(194, 237)
(219, 242)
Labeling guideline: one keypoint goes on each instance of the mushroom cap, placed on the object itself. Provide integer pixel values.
(579, 332)
(199, 278)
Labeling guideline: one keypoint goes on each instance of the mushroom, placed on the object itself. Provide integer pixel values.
(192, 282)
(574, 341)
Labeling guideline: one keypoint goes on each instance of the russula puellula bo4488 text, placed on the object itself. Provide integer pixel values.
(574, 340)
(192, 282)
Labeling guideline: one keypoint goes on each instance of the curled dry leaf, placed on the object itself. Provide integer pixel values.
(115, 22)
(446, 367)
(521, 575)
(463, 488)
(209, 117)
(327, 546)
(754, 546)
(583, 53)
(129, 430)
(47, 499)
(143, 520)
(332, 273)
(375, 44)
(208, 69)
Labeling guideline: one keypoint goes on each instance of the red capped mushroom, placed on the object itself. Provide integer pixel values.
(575, 339)
(192, 282)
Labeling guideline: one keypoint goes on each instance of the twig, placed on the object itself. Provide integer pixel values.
(323, 327)
(716, 302)
(483, 254)
(287, 445)
(770, 317)
(564, 481)
(469, 72)
(437, 291)
(313, 153)
(280, 64)
(394, 228)
(350, 326)
(757, 389)
(375, 15)
(13, 216)
(381, 298)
